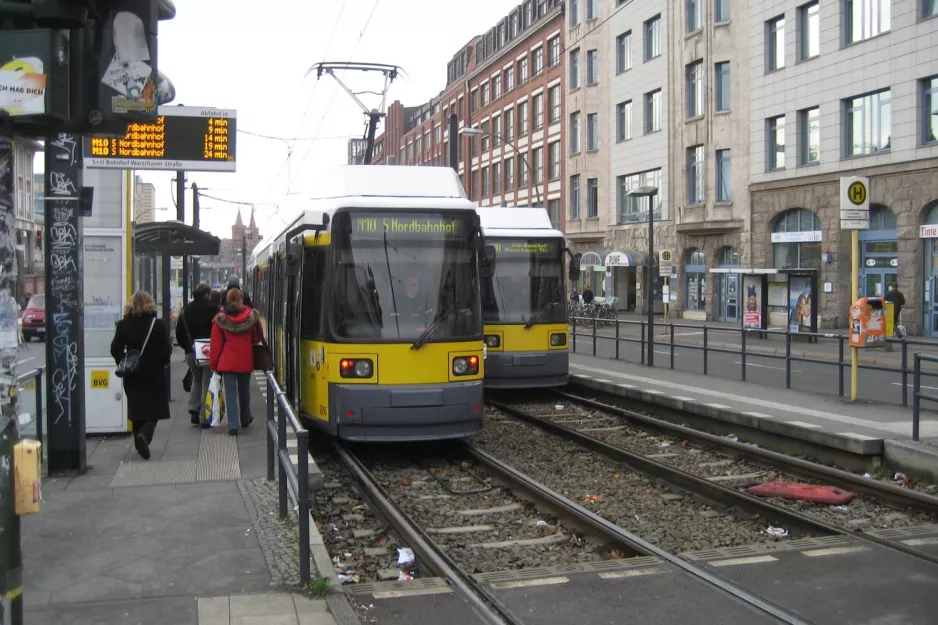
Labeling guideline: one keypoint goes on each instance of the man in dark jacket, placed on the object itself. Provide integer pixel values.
(898, 301)
(234, 282)
(195, 323)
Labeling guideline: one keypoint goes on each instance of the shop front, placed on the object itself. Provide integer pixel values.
(623, 271)
(928, 233)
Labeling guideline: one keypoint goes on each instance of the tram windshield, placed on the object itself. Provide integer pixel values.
(395, 273)
(528, 282)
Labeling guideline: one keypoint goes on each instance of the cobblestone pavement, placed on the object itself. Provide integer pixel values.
(278, 538)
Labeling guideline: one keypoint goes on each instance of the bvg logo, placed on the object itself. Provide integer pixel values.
(100, 379)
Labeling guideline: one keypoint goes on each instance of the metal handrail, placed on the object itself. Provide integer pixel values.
(917, 394)
(36, 374)
(667, 341)
(279, 413)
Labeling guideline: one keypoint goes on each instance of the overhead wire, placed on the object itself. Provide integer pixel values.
(263, 136)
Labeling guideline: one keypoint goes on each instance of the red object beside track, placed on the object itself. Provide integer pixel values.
(802, 492)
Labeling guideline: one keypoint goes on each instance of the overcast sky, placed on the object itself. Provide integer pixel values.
(219, 54)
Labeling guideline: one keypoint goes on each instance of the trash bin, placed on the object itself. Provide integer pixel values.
(868, 322)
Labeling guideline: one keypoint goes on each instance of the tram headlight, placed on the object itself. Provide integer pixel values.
(556, 340)
(492, 340)
(356, 368)
(465, 365)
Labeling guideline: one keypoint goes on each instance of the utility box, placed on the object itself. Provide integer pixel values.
(27, 467)
(868, 322)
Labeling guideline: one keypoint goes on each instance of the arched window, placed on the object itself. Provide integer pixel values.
(881, 218)
(695, 282)
(727, 257)
(796, 240)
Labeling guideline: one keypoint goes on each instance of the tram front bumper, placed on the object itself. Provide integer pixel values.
(509, 370)
(415, 412)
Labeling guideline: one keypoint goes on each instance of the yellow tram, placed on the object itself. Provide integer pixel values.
(372, 305)
(524, 301)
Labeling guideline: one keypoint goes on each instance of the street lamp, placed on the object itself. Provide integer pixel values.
(478, 132)
(650, 193)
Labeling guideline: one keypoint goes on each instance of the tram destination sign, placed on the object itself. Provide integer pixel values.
(186, 138)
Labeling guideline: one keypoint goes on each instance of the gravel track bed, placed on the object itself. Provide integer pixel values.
(863, 512)
(331, 508)
(664, 516)
(434, 506)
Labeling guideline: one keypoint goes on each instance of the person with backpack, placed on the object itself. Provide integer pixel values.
(235, 332)
(195, 323)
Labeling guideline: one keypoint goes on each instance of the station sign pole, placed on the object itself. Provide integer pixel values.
(854, 216)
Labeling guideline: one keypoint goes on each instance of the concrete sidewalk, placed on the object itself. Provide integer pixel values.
(190, 537)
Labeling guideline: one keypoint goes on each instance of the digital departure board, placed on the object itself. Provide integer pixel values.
(184, 138)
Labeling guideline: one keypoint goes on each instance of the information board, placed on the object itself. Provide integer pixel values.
(184, 138)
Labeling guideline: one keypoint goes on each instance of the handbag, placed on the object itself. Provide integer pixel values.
(187, 379)
(130, 363)
(263, 361)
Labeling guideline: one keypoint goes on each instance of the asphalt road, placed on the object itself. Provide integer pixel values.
(805, 376)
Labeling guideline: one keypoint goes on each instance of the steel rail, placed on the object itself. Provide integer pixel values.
(607, 528)
(691, 482)
(797, 466)
(483, 602)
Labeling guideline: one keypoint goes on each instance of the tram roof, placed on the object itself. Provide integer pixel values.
(516, 221)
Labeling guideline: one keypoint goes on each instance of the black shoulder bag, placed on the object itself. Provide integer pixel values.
(187, 379)
(130, 363)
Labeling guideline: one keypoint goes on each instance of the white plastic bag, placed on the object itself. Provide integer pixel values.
(213, 401)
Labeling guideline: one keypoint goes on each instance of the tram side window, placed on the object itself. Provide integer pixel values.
(314, 280)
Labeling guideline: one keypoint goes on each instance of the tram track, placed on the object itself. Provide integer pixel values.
(602, 542)
(705, 463)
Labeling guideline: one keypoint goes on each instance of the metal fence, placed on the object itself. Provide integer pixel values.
(746, 335)
(279, 413)
(917, 394)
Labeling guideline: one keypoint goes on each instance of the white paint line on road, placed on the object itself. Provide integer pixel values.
(759, 415)
(802, 424)
(667, 353)
(627, 385)
(920, 542)
(682, 398)
(752, 364)
(718, 406)
(653, 392)
(604, 381)
(928, 428)
(631, 573)
(749, 560)
(930, 388)
(833, 551)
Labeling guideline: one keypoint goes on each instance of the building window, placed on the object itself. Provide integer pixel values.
(537, 61)
(575, 196)
(523, 119)
(775, 142)
(496, 87)
(537, 108)
(523, 170)
(624, 121)
(574, 11)
(592, 131)
(865, 19)
(508, 78)
(728, 257)
(722, 10)
(553, 101)
(575, 132)
(796, 240)
(695, 175)
(509, 116)
(496, 131)
(653, 111)
(868, 124)
(722, 75)
(624, 52)
(575, 69)
(523, 71)
(775, 44)
(809, 17)
(509, 169)
(554, 156)
(553, 51)
(474, 100)
(930, 104)
(418, 146)
(485, 182)
(809, 135)
(630, 209)
(590, 9)
(653, 38)
(553, 211)
(592, 198)
(695, 270)
(485, 93)
(929, 8)
(486, 139)
(694, 72)
(496, 178)
(724, 176)
(592, 67)
(437, 134)
(694, 15)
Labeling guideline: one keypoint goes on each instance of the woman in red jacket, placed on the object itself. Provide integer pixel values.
(237, 328)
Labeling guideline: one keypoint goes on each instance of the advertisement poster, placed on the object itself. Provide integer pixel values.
(800, 301)
(23, 87)
(752, 315)
(130, 71)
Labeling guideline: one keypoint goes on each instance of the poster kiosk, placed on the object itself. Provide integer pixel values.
(802, 304)
(756, 303)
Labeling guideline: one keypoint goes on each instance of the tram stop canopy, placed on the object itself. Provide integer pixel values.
(174, 238)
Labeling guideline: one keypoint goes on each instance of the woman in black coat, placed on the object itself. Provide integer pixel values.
(147, 398)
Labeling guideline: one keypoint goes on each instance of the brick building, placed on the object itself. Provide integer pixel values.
(506, 82)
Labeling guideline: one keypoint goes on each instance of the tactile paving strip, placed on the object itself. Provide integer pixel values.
(759, 549)
(566, 569)
(149, 474)
(218, 457)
